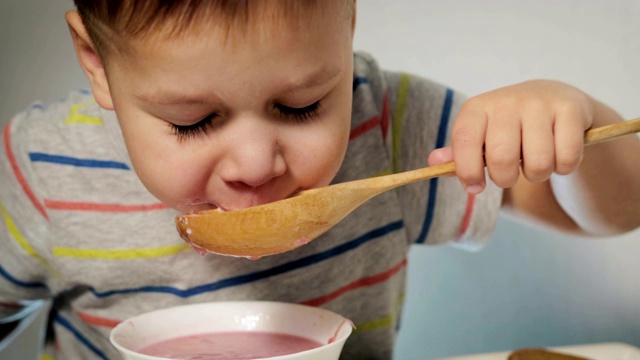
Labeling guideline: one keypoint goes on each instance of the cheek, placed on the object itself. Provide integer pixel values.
(332, 139)
(169, 170)
(170, 178)
(322, 152)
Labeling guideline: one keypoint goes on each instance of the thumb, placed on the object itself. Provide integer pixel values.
(440, 156)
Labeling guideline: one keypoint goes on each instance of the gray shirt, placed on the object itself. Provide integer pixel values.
(79, 227)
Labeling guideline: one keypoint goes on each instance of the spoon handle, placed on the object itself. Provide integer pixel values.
(611, 132)
(592, 136)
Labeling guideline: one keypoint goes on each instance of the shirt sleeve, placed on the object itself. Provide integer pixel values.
(435, 211)
(25, 261)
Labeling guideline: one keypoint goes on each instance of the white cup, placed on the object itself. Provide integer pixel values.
(324, 326)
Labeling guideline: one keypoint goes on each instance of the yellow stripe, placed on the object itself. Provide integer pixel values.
(24, 244)
(75, 117)
(119, 254)
(45, 357)
(398, 117)
(383, 322)
(374, 324)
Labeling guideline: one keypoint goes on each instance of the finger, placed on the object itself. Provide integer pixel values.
(538, 147)
(502, 150)
(441, 156)
(569, 141)
(467, 141)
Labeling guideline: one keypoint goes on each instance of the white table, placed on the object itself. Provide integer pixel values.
(603, 351)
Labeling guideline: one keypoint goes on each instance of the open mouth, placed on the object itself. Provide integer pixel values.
(207, 209)
(202, 206)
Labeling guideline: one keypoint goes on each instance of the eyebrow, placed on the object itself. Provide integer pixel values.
(317, 78)
(173, 98)
(168, 97)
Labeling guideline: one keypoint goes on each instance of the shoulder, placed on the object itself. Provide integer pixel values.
(71, 126)
(45, 144)
(31, 140)
(418, 90)
(369, 86)
(367, 67)
(45, 122)
(404, 88)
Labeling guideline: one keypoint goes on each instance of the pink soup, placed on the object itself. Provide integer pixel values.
(230, 346)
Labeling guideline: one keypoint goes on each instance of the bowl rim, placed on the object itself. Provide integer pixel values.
(340, 337)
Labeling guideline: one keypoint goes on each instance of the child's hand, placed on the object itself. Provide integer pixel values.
(536, 125)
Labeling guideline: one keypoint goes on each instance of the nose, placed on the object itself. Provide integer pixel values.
(254, 153)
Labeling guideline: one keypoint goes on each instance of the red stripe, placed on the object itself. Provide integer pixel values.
(384, 116)
(364, 127)
(382, 121)
(98, 321)
(18, 173)
(83, 206)
(10, 305)
(466, 219)
(365, 281)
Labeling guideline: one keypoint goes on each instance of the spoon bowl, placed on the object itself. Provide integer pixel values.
(284, 225)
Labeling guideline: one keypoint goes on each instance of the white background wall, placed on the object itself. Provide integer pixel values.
(529, 287)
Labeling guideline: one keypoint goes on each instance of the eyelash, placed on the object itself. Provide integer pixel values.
(299, 115)
(185, 132)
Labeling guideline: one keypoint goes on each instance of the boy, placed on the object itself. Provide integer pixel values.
(233, 104)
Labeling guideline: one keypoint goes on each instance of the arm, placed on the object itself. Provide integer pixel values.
(24, 266)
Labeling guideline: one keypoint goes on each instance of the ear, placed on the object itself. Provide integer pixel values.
(90, 62)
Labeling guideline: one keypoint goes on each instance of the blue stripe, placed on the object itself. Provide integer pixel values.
(13, 280)
(359, 80)
(259, 275)
(433, 183)
(79, 162)
(67, 325)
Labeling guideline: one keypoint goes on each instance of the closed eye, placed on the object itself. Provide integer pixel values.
(185, 132)
(298, 114)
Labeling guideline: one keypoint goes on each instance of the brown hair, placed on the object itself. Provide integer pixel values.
(109, 21)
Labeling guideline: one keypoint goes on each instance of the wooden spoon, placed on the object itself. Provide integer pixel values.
(287, 224)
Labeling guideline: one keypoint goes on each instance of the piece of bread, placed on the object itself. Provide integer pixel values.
(541, 354)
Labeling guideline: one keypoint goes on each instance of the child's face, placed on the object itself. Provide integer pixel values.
(276, 103)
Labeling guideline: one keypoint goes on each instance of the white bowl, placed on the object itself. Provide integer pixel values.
(323, 326)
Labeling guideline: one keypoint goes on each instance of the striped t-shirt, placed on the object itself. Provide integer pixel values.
(77, 226)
